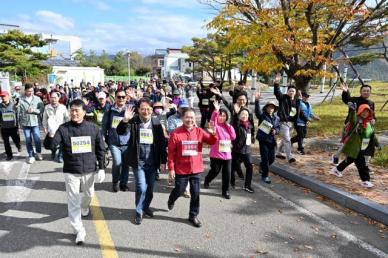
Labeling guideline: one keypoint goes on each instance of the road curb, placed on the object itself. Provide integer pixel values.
(356, 203)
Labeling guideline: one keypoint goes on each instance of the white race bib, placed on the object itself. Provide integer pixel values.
(116, 120)
(265, 126)
(249, 138)
(293, 111)
(189, 148)
(146, 136)
(365, 143)
(225, 146)
(81, 144)
(99, 117)
(8, 117)
(205, 102)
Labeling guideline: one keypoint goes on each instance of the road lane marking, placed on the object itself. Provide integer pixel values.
(328, 225)
(108, 249)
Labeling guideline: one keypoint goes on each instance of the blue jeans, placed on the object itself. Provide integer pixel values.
(144, 179)
(29, 133)
(119, 170)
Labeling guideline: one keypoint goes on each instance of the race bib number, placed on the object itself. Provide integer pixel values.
(146, 136)
(293, 111)
(8, 117)
(249, 139)
(99, 117)
(205, 102)
(115, 121)
(225, 146)
(81, 144)
(265, 127)
(365, 143)
(189, 148)
(213, 98)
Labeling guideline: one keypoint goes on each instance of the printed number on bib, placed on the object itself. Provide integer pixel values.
(293, 111)
(265, 126)
(205, 102)
(365, 143)
(115, 121)
(189, 148)
(225, 146)
(146, 136)
(8, 117)
(99, 117)
(81, 144)
(249, 138)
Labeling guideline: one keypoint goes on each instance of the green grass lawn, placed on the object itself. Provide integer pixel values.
(333, 116)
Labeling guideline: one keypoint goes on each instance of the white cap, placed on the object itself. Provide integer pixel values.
(101, 95)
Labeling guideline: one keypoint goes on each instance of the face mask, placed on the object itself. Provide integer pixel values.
(158, 111)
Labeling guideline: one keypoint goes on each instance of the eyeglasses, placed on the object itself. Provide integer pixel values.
(120, 97)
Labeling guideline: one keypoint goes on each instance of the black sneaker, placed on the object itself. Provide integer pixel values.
(334, 160)
(138, 219)
(8, 158)
(170, 205)
(226, 195)
(195, 221)
(280, 156)
(292, 160)
(266, 179)
(124, 188)
(206, 185)
(115, 188)
(301, 152)
(148, 213)
(248, 189)
(20, 149)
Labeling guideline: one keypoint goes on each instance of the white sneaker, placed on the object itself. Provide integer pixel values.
(84, 212)
(81, 235)
(39, 156)
(30, 160)
(367, 184)
(334, 171)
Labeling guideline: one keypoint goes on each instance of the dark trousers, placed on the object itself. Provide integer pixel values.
(14, 134)
(360, 163)
(216, 165)
(247, 160)
(205, 116)
(301, 132)
(267, 154)
(180, 187)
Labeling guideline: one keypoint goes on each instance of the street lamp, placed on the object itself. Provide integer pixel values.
(129, 67)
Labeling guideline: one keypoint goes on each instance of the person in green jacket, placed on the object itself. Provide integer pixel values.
(360, 141)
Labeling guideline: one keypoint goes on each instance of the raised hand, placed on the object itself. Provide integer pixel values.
(129, 113)
(216, 105)
(258, 95)
(216, 91)
(277, 78)
(211, 129)
(345, 86)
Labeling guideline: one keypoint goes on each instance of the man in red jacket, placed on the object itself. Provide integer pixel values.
(185, 162)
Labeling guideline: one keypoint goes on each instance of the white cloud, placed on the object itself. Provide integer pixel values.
(55, 19)
(143, 33)
(98, 4)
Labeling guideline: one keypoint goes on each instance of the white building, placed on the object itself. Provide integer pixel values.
(62, 74)
(174, 63)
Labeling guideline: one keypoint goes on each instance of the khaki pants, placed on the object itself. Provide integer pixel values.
(75, 183)
(286, 129)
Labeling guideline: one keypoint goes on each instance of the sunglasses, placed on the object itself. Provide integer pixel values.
(120, 97)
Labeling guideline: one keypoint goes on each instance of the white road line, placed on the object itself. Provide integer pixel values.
(328, 225)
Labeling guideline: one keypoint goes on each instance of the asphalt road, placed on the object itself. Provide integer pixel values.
(278, 220)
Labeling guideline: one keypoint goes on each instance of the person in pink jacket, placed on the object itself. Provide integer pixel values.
(221, 152)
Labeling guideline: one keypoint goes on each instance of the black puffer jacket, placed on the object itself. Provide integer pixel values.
(285, 105)
(159, 142)
(80, 163)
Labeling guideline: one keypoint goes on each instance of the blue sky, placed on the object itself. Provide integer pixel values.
(113, 25)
